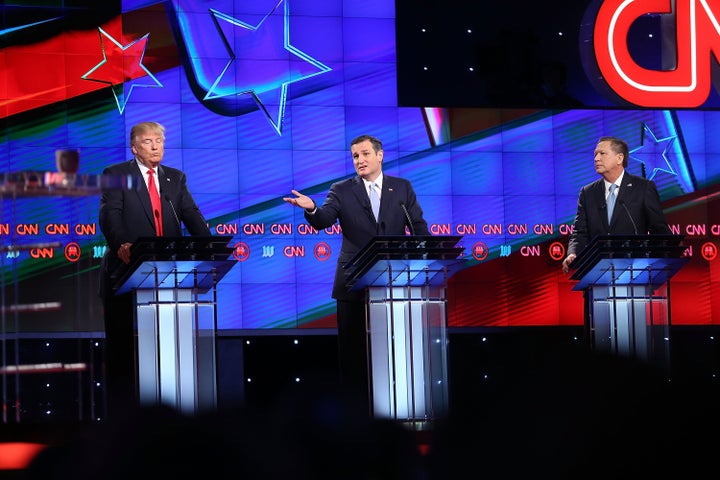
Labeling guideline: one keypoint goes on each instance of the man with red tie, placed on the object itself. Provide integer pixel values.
(160, 206)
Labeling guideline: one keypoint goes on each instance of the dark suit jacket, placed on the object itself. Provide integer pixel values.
(126, 215)
(348, 202)
(637, 211)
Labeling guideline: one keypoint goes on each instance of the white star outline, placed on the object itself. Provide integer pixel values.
(276, 119)
(668, 141)
(119, 90)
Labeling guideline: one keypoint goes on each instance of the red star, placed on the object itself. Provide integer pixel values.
(120, 63)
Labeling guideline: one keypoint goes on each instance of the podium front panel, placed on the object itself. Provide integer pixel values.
(405, 279)
(631, 321)
(176, 349)
(174, 283)
(407, 339)
(626, 284)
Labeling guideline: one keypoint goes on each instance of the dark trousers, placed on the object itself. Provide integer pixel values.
(120, 363)
(353, 351)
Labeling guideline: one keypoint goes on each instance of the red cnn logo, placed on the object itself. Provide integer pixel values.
(684, 83)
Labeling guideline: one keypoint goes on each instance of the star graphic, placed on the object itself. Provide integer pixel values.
(654, 154)
(122, 67)
(262, 63)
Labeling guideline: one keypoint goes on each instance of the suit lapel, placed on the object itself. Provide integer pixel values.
(600, 192)
(363, 199)
(626, 187)
(143, 193)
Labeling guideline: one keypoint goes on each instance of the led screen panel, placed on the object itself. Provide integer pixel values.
(264, 98)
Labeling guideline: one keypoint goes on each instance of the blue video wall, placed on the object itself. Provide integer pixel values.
(260, 98)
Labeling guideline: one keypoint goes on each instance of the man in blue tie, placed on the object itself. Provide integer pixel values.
(350, 203)
(618, 203)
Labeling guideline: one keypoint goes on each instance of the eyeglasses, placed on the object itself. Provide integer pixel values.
(149, 142)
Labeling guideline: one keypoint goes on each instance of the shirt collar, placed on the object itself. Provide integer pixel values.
(378, 181)
(144, 169)
(618, 181)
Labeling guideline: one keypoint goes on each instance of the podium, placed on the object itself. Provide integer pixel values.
(173, 280)
(405, 279)
(626, 285)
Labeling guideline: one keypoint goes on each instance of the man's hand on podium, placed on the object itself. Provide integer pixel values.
(124, 252)
(566, 263)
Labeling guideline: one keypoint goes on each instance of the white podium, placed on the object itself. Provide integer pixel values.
(626, 283)
(174, 283)
(405, 280)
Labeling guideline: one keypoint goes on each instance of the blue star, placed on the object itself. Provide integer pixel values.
(262, 63)
(648, 155)
(122, 68)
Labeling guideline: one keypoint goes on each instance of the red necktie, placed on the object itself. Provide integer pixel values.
(155, 200)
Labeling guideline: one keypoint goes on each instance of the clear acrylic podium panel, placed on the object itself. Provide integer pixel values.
(626, 283)
(51, 324)
(173, 281)
(404, 279)
(631, 321)
(407, 339)
(176, 338)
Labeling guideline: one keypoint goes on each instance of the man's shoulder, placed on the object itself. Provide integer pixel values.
(171, 171)
(120, 167)
(392, 180)
(346, 182)
(633, 178)
(595, 183)
(637, 181)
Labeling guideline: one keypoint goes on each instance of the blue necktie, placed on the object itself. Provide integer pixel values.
(374, 200)
(611, 201)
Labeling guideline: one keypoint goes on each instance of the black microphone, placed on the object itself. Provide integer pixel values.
(167, 198)
(409, 220)
(629, 216)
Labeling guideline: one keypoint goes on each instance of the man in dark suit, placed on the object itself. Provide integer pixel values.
(349, 202)
(637, 208)
(125, 216)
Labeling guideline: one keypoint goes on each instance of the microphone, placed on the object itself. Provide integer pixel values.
(407, 217)
(629, 216)
(167, 198)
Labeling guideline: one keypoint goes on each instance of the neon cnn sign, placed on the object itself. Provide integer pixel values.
(697, 40)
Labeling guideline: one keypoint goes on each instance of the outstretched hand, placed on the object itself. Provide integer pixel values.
(300, 200)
